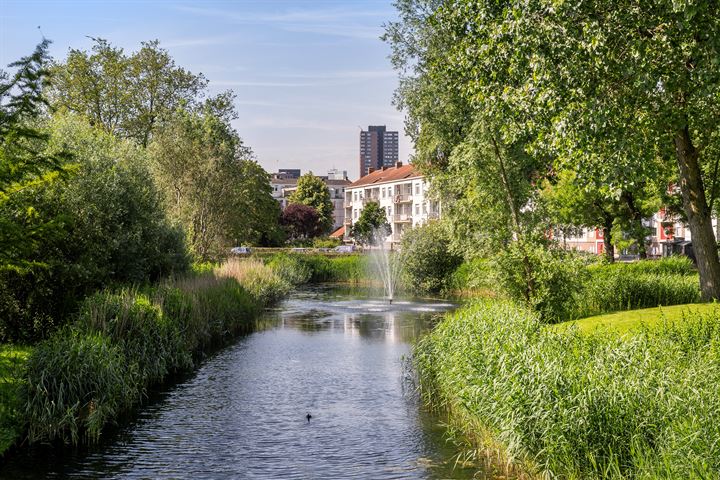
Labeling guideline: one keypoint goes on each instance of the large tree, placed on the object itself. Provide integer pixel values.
(312, 191)
(213, 186)
(129, 95)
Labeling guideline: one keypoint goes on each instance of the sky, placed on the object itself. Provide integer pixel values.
(308, 74)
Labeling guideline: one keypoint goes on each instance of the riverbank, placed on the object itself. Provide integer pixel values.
(578, 405)
(123, 343)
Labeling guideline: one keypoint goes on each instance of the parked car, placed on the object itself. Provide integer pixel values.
(345, 248)
(240, 250)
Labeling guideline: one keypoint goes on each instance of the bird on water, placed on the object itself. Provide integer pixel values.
(308, 416)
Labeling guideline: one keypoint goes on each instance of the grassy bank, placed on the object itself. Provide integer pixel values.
(299, 268)
(125, 342)
(572, 405)
(633, 320)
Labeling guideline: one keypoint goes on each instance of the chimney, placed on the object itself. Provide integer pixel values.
(398, 164)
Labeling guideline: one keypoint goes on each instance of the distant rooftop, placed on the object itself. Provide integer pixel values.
(387, 174)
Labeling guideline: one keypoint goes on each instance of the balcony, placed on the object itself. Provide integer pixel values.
(367, 200)
(403, 198)
(402, 217)
(348, 221)
(433, 215)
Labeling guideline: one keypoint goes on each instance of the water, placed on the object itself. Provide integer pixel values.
(242, 413)
(387, 264)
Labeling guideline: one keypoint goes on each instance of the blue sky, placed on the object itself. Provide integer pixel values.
(307, 74)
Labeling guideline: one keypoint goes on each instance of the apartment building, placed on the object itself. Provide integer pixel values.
(401, 190)
(283, 185)
(378, 148)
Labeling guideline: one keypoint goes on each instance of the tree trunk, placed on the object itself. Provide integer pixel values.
(636, 226)
(607, 240)
(698, 214)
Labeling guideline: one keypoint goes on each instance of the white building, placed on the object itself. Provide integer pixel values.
(283, 186)
(401, 190)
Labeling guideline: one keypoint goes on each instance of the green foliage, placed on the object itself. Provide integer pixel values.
(25, 161)
(326, 242)
(12, 360)
(611, 288)
(114, 230)
(313, 192)
(87, 374)
(568, 405)
(476, 276)
(290, 268)
(544, 278)
(261, 281)
(372, 227)
(128, 95)
(212, 186)
(426, 262)
(75, 383)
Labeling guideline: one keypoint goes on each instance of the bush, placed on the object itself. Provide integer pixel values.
(476, 276)
(580, 406)
(543, 277)
(427, 263)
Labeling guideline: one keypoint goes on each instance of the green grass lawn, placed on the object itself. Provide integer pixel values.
(623, 322)
(11, 359)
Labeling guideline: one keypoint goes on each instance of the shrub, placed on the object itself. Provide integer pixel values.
(580, 406)
(427, 263)
(75, 383)
(476, 276)
(543, 277)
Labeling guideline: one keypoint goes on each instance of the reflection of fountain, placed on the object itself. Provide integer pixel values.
(387, 263)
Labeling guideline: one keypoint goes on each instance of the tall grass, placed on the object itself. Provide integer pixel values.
(566, 405)
(303, 268)
(124, 342)
(616, 287)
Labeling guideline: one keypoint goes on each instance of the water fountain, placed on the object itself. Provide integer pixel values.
(387, 263)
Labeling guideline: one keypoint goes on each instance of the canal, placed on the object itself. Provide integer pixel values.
(334, 353)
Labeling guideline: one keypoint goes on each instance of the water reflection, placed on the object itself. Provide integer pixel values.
(242, 414)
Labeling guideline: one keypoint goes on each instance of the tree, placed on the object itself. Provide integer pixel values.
(25, 161)
(372, 227)
(301, 221)
(312, 191)
(212, 185)
(129, 95)
(111, 229)
(631, 83)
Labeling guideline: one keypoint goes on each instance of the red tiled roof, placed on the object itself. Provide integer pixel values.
(391, 174)
(339, 233)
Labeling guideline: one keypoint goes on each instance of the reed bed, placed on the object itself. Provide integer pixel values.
(124, 342)
(611, 288)
(566, 405)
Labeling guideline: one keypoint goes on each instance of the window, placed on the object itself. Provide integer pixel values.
(424, 207)
(417, 189)
(389, 210)
(355, 196)
(417, 209)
